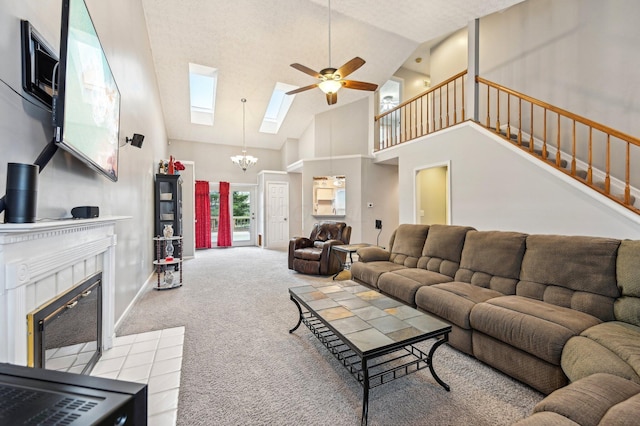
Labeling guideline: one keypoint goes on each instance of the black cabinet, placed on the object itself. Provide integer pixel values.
(168, 211)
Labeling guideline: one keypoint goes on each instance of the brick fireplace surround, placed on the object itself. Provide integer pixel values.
(39, 261)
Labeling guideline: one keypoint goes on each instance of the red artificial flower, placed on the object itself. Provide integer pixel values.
(178, 165)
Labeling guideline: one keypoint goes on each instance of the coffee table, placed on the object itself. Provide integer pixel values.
(371, 334)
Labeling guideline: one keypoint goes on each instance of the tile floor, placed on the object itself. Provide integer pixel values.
(154, 358)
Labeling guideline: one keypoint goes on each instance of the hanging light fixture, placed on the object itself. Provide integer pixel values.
(244, 161)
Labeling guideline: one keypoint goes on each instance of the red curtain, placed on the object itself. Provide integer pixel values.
(224, 222)
(203, 215)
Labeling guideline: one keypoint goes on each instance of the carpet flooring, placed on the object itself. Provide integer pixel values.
(242, 367)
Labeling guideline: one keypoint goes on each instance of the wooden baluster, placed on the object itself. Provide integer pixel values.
(455, 94)
(627, 178)
(447, 103)
(607, 179)
(590, 169)
(573, 150)
(544, 136)
(440, 107)
(433, 110)
(414, 116)
(558, 155)
(531, 134)
(462, 91)
(509, 116)
(519, 121)
(488, 118)
(497, 110)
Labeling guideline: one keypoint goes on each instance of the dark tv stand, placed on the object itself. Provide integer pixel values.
(38, 396)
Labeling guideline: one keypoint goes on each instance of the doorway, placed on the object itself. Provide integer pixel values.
(242, 201)
(432, 200)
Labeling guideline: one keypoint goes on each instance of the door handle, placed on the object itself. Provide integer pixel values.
(285, 218)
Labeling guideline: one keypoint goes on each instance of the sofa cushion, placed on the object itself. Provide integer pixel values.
(328, 231)
(595, 400)
(453, 301)
(627, 307)
(403, 283)
(611, 347)
(535, 327)
(408, 243)
(309, 253)
(573, 272)
(443, 248)
(492, 259)
(370, 272)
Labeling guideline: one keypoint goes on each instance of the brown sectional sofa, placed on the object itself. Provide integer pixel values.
(545, 309)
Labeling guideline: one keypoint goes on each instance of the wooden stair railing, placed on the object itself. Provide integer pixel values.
(543, 129)
(439, 107)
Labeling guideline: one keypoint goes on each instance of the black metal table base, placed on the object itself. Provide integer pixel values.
(371, 372)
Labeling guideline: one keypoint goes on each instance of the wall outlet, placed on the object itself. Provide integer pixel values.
(378, 224)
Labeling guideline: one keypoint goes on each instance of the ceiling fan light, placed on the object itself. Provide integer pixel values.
(330, 86)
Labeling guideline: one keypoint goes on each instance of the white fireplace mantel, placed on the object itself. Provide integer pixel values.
(41, 260)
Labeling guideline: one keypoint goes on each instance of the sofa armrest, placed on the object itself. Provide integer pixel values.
(372, 254)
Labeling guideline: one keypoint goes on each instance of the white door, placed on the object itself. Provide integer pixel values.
(277, 209)
(243, 215)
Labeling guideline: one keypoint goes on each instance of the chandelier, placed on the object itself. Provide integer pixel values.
(244, 161)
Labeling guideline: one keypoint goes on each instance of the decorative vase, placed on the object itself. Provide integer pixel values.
(171, 165)
(168, 231)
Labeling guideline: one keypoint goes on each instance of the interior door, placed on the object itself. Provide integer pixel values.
(277, 210)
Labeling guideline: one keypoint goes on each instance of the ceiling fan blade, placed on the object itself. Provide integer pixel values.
(359, 85)
(332, 98)
(301, 89)
(306, 70)
(350, 67)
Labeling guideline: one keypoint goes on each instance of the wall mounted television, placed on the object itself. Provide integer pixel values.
(86, 109)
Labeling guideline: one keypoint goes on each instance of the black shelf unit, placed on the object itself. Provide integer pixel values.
(168, 205)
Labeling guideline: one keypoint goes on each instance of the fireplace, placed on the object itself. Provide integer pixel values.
(39, 261)
(65, 334)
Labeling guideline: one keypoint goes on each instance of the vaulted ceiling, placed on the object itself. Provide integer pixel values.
(253, 42)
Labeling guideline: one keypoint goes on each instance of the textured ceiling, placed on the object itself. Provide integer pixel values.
(252, 43)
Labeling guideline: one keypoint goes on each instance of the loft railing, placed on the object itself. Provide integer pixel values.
(597, 155)
(439, 107)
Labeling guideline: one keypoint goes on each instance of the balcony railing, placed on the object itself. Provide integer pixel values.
(440, 107)
(599, 156)
(240, 223)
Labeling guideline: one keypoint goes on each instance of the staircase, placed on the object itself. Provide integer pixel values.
(595, 155)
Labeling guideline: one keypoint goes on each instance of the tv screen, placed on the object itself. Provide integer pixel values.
(87, 108)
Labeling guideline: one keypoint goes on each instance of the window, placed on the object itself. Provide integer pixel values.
(202, 89)
(278, 108)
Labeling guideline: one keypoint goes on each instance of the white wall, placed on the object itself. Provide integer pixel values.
(449, 57)
(580, 55)
(495, 185)
(214, 161)
(66, 182)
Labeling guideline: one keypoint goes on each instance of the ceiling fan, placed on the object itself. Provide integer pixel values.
(332, 79)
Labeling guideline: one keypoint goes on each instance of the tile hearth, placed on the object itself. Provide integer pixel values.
(154, 358)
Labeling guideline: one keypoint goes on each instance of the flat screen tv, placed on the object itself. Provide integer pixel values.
(86, 110)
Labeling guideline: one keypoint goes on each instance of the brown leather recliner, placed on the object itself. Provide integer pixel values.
(313, 255)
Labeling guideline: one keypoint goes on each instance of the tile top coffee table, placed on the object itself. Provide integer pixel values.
(371, 334)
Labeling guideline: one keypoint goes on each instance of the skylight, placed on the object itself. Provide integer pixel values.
(202, 90)
(277, 109)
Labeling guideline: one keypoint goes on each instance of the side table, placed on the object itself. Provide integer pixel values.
(346, 248)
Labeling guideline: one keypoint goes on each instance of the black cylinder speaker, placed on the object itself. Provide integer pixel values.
(22, 193)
